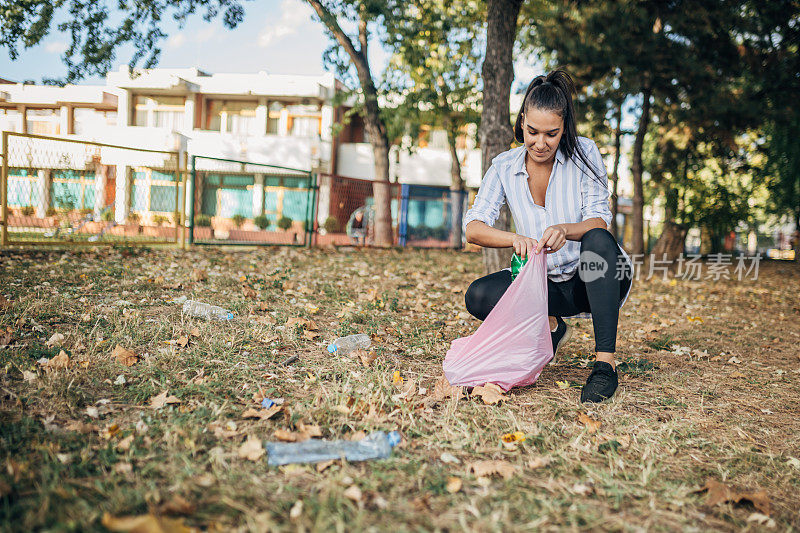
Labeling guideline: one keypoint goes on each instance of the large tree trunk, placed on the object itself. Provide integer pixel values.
(637, 170)
(456, 190)
(495, 132)
(797, 236)
(671, 242)
(615, 173)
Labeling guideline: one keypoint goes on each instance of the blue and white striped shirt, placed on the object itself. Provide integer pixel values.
(573, 195)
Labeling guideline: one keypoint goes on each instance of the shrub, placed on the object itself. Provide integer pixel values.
(202, 221)
(284, 222)
(108, 215)
(331, 225)
(159, 220)
(85, 211)
(261, 221)
(50, 211)
(238, 220)
(27, 211)
(134, 218)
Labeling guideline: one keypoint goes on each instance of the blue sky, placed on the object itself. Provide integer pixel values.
(277, 36)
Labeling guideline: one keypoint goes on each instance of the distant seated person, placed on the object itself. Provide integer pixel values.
(358, 227)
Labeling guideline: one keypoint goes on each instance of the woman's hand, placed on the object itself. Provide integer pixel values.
(553, 238)
(523, 246)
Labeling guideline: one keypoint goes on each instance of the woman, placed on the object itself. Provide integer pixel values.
(557, 190)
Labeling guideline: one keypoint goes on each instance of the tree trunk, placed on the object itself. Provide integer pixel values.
(637, 170)
(456, 190)
(797, 236)
(615, 173)
(671, 242)
(495, 132)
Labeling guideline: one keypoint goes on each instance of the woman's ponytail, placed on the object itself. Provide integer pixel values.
(553, 92)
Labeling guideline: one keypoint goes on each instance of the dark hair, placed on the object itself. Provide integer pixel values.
(553, 92)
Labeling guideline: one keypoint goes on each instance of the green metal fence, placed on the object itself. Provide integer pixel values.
(240, 202)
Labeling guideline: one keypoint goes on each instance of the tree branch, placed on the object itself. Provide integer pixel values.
(341, 37)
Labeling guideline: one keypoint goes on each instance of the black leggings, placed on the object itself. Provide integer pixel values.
(601, 296)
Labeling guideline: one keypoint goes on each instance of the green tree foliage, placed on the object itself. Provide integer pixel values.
(436, 48)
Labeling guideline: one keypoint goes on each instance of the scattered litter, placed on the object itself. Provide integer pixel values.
(376, 445)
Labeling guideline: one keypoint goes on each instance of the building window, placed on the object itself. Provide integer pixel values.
(44, 121)
(164, 112)
(274, 118)
(305, 120)
(233, 116)
(9, 120)
(88, 120)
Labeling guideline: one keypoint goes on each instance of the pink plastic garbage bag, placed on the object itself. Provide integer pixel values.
(513, 344)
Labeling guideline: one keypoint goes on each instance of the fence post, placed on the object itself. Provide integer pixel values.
(190, 195)
(403, 215)
(311, 209)
(182, 199)
(4, 191)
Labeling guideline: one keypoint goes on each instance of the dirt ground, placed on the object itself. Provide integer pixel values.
(117, 411)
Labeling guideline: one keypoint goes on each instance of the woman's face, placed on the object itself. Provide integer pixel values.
(541, 132)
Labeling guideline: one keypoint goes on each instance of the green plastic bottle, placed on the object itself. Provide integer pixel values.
(516, 265)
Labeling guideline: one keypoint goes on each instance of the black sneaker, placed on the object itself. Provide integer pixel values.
(601, 384)
(561, 335)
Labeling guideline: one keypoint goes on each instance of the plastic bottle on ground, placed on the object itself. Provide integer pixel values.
(376, 445)
(204, 310)
(345, 345)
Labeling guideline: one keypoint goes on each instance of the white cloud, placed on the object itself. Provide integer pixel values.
(294, 15)
(206, 34)
(56, 47)
(176, 40)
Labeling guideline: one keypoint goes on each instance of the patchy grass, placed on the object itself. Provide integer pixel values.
(83, 441)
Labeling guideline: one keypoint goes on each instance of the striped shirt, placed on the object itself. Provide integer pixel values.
(573, 195)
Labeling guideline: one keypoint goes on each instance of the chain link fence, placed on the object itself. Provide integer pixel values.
(65, 191)
(346, 211)
(239, 202)
(431, 217)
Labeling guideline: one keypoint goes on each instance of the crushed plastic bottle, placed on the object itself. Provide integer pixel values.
(345, 345)
(376, 445)
(204, 310)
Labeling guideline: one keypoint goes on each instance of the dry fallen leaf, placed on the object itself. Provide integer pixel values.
(321, 467)
(124, 356)
(286, 436)
(145, 524)
(59, 362)
(157, 402)
(353, 492)
(737, 374)
(195, 332)
(720, 493)
(538, 462)
(177, 505)
(199, 275)
(397, 379)
(56, 340)
(562, 384)
(252, 449)
(6, 336)
(262, 414)
(453, 484)
(443, 390)
(4, 303)
(517, 436)
(488, 468)
(125, 444)
(249, 292)
(365, 356)
(310, 335)
(490, 393)
(591, 424)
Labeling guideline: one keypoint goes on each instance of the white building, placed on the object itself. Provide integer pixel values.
(261, 118)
